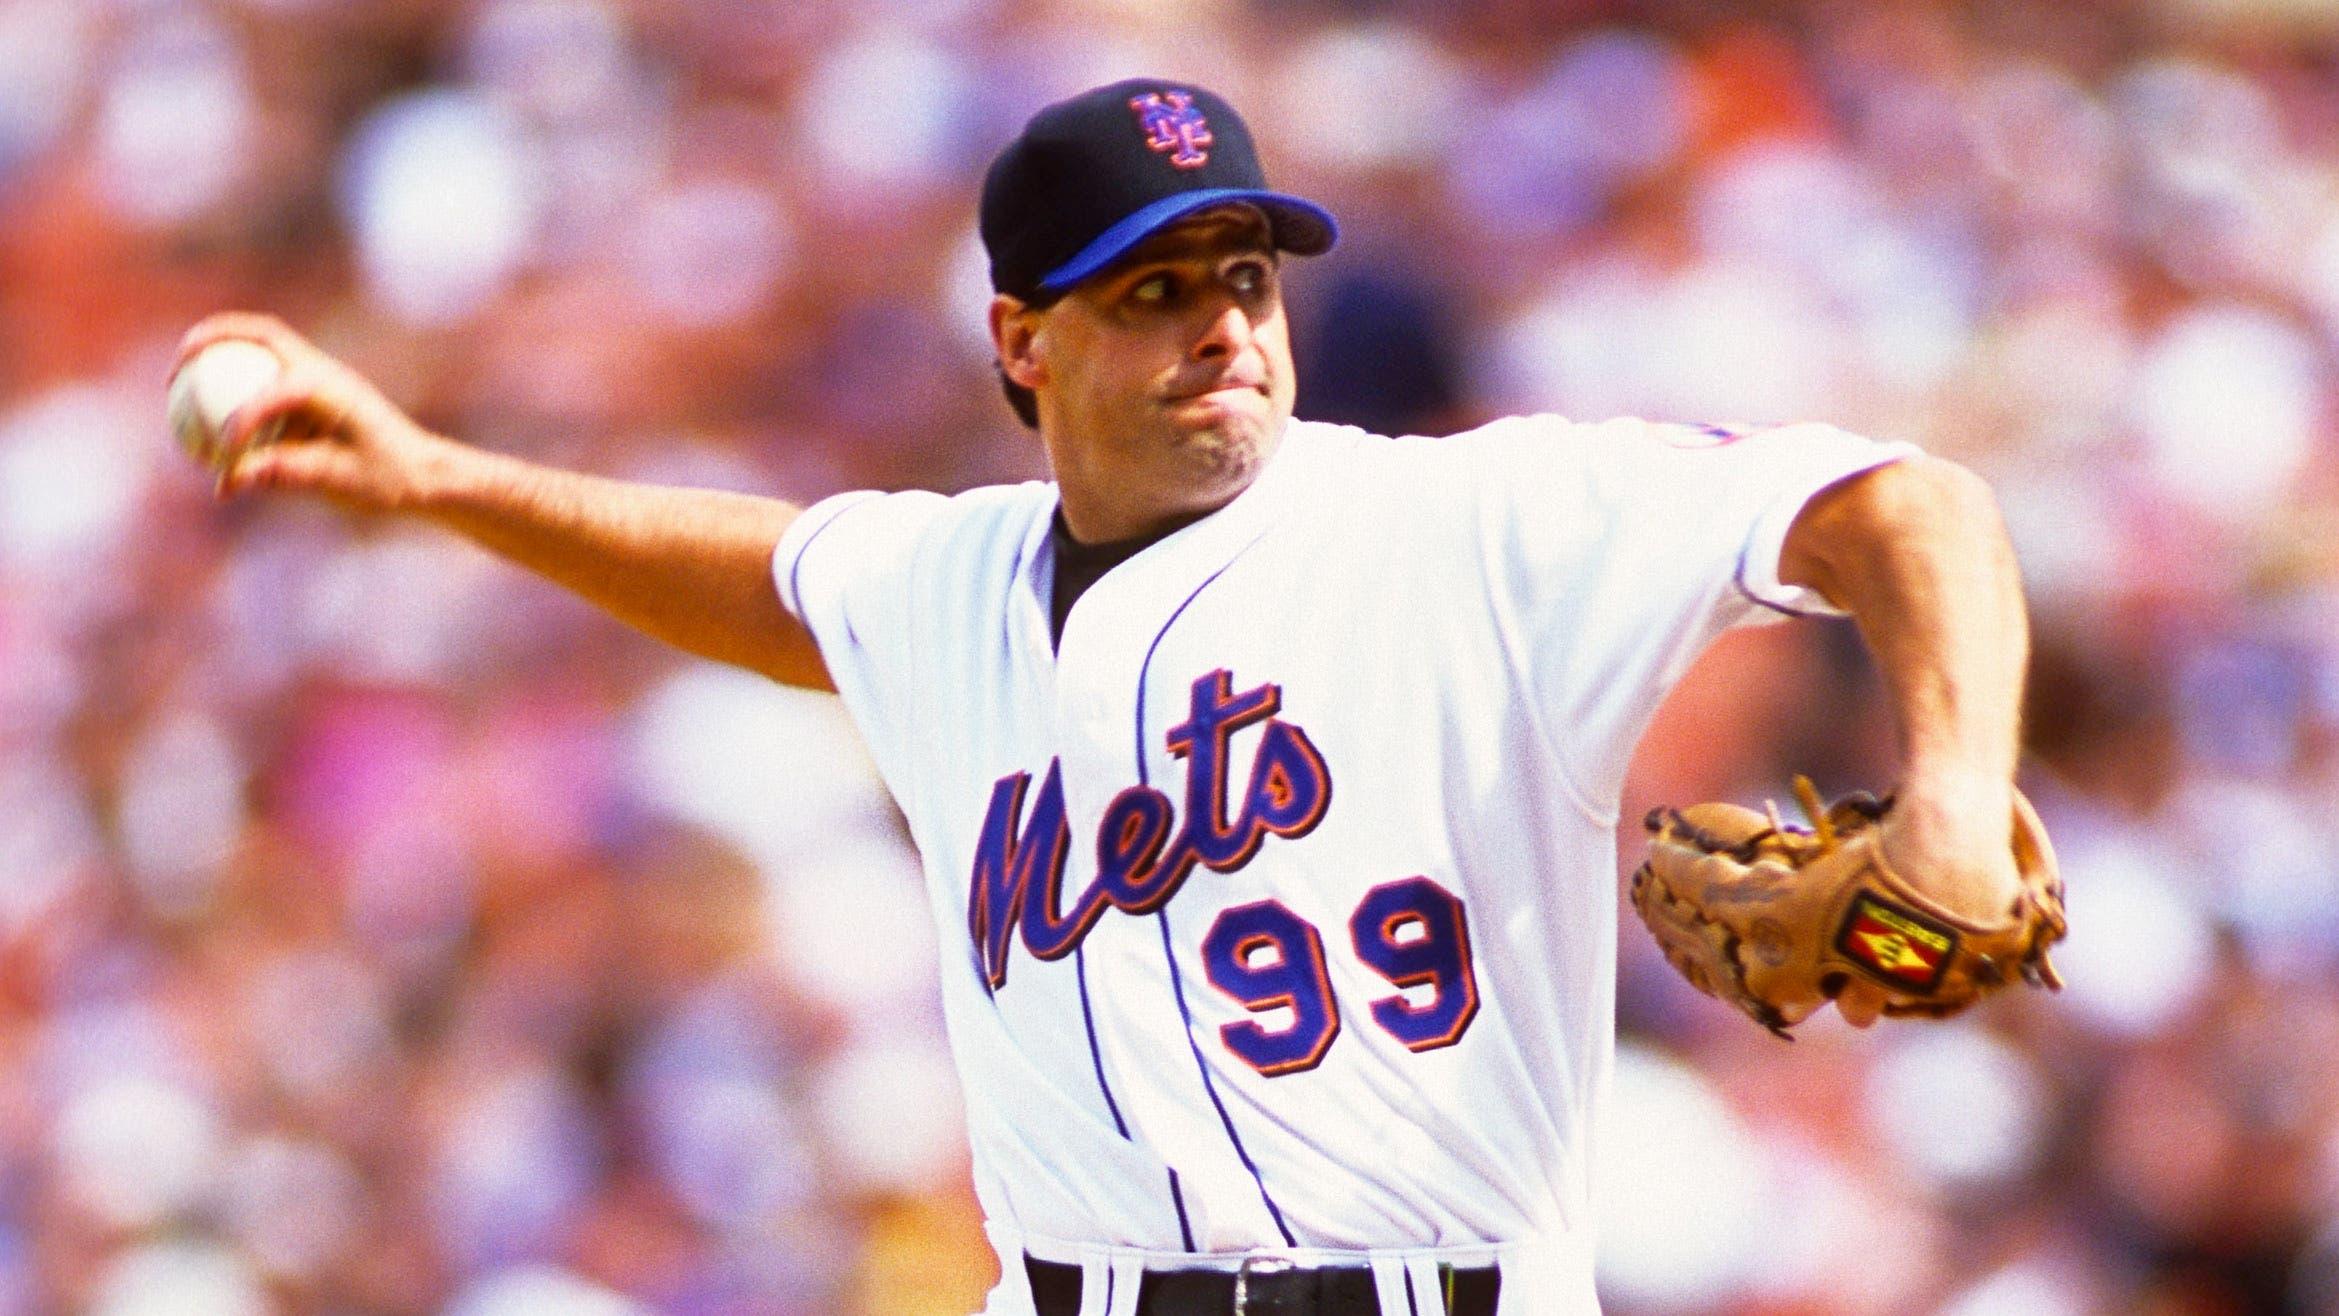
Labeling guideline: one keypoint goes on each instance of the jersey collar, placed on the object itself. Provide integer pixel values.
(1203, 546)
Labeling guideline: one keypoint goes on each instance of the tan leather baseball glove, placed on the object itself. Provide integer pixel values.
(1779, 919)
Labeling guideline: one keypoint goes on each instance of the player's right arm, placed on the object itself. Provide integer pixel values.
(691, 567)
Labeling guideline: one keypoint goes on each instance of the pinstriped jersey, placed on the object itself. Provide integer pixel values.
(1277, 899)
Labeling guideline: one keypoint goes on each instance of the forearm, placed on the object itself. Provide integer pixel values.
(690, 567)
(1918, 554)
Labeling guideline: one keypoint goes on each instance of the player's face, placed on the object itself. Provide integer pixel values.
(1165, 381)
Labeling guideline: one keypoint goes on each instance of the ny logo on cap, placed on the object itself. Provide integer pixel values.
(1172, 124)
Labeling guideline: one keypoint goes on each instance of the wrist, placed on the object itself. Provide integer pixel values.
(1959, 791)
(445, 476)
(1957, 779)
(1958, 808)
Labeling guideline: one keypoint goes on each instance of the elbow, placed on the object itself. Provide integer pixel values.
(1937, 503)
(1914, 503)
(1958, 486)
(1923, 498)
(1919, 504)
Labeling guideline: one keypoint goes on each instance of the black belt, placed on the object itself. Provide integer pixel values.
(1282, 1291)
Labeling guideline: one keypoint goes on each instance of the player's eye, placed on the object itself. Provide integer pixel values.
(1156, 290)
(1249, 278)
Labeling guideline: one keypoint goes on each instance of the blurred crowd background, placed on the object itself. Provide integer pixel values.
(381, 931)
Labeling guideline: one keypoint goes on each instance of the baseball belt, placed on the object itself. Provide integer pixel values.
(1283, 1290)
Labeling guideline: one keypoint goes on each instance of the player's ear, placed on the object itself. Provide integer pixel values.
(1015, 332)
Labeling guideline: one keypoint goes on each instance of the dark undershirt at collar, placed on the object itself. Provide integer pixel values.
(1079, 566)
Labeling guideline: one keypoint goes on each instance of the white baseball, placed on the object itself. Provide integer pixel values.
(208, 389)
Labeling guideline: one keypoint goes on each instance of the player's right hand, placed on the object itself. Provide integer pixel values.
(328, 430)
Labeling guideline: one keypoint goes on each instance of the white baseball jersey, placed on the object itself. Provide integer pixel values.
(1278, 901)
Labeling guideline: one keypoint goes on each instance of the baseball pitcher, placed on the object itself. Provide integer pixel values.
(1266, 772)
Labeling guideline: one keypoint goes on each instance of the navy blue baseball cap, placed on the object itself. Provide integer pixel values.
(1093, 176)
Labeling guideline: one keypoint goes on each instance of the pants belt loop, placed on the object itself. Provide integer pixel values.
(1429, 1285)
(1095, 1263)
(1389, 1285)
(1127, 1278)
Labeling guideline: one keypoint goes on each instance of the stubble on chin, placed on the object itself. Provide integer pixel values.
(1227, 457)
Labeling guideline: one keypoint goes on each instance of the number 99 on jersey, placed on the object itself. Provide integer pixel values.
(1411, 932)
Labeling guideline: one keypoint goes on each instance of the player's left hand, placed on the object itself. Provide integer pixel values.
(1916, 906)
(1953, 839)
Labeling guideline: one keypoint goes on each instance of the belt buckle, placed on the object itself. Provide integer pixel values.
(1256, 1264)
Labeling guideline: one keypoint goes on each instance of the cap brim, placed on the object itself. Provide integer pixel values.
(1301, 227)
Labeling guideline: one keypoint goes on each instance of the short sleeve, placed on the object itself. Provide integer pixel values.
(1617, 551)
(843, 567)
(843, 554)
(1806, 459)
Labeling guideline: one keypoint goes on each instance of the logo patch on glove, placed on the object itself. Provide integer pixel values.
(1898, 945)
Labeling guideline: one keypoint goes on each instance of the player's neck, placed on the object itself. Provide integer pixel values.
(1107, 532)
(1119, 508)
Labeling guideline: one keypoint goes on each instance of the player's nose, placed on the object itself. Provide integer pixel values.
(1228, 332)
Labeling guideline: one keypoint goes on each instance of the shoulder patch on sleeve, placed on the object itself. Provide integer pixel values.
(1717, 434)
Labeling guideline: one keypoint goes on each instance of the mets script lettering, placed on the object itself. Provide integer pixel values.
(1174, 126)
(1144, 853)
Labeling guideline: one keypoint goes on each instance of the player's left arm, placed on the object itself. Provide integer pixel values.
(1917, 553)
